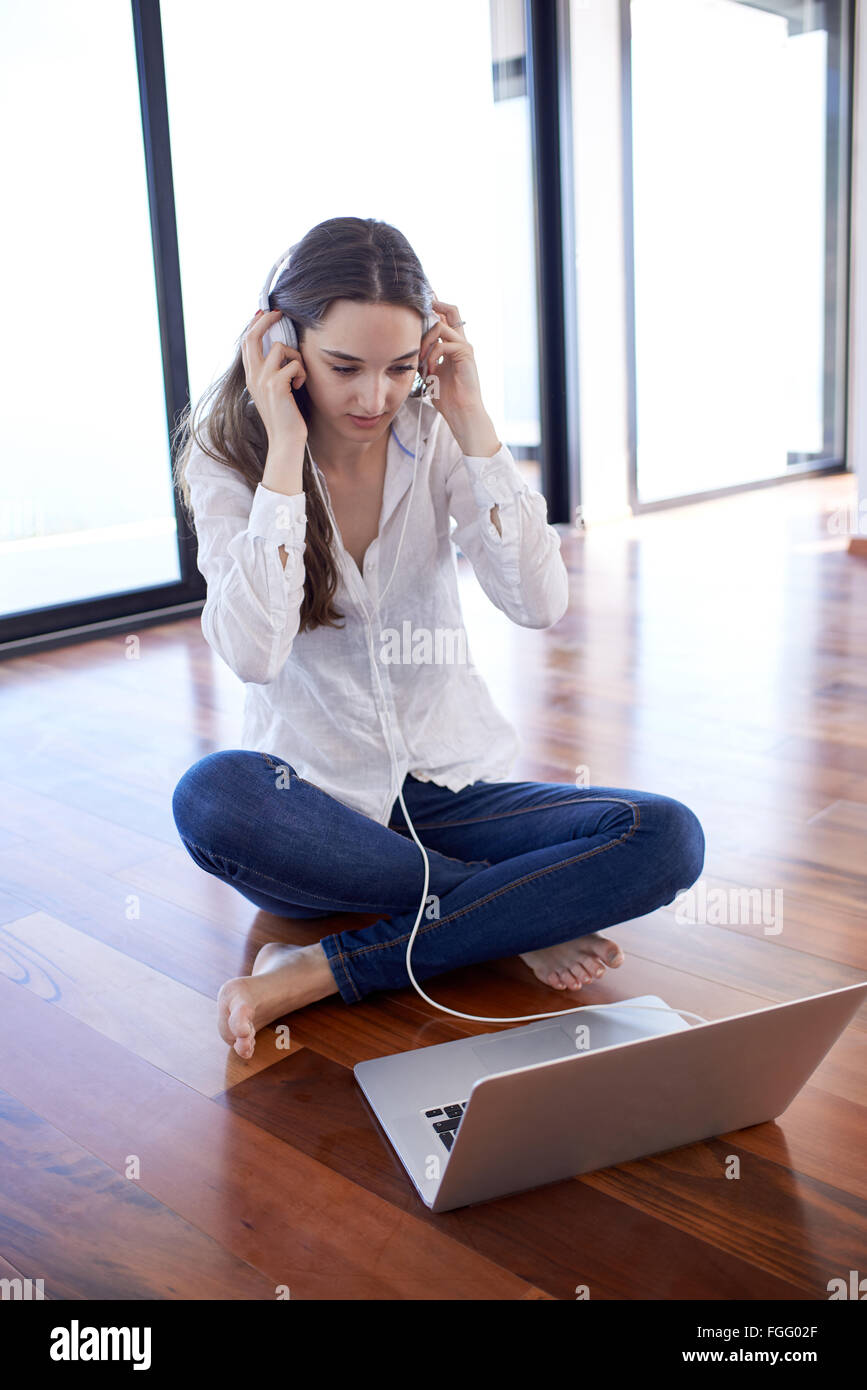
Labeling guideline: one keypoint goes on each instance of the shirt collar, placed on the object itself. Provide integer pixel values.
(399, 455)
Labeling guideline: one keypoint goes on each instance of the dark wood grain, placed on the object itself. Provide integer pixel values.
(554, 1237)
(293, 1219)
(52, 1184)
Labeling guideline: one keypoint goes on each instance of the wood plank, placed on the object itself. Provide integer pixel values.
(42, 819)
(843, 815)
(735, 954)
(166, 1023)
(186, 946)
(267, 1203)
(29, 1288)
(810, 1231)
(821, 905)
(52, 1184)
(799, 1139)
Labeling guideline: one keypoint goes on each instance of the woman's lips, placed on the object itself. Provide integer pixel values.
(365, 420)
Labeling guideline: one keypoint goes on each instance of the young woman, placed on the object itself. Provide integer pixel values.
(302, 482)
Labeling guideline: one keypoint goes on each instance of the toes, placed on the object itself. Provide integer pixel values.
(586, 969)
(605, 952)
(239, 1020)
(593, 966)
(245, 1035)
(603, 949)
(243, 1030)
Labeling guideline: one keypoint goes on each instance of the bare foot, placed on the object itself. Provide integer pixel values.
(574, 963)
(284, 978)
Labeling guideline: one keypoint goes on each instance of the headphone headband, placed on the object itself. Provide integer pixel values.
(273, 276)
(284, 329)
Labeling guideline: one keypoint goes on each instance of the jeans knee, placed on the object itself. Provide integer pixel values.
(205, 792)
(688, 836)
(191, 795)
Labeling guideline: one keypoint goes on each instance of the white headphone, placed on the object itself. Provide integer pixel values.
(284, 331)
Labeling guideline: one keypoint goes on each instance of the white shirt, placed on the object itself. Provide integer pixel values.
(312, 698)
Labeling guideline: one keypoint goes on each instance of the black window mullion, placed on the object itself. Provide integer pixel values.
(150, 63)
(547, 43)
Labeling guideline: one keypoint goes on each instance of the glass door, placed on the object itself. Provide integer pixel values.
(87, 502)
(740, 189)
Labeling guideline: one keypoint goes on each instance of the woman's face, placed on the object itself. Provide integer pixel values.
(361, 362)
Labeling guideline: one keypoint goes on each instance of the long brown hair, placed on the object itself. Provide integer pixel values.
(356, 258)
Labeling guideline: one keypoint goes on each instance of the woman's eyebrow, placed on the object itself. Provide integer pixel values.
(332, 352)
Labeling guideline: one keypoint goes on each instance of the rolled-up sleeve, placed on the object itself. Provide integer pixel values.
(253, 606)
(521, 570)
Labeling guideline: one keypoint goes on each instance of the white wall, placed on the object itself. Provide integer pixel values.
(601, 284)
(858, 288)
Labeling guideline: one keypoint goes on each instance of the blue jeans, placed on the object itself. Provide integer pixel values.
(514, 866)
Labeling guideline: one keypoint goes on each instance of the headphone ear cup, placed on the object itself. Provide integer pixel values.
(283, 331)
(429, 323)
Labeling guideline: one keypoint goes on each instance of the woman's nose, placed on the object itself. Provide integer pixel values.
(373, 399)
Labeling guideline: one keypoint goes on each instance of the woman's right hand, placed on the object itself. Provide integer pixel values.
(271, 381)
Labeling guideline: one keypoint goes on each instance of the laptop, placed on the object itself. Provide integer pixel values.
(489, 1115)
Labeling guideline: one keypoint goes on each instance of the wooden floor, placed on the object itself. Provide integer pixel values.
(714, 653)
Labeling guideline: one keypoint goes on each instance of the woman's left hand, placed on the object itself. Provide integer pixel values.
(457, 391)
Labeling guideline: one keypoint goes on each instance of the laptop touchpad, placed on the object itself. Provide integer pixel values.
(541, 1045)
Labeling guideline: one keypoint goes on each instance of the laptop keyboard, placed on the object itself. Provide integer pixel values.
(445, 1120)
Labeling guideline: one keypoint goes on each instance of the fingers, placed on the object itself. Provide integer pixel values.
(256, 362)
(444, 330)
(439, 330)
(253, 336)
(435, 329)
(452, 314)
(445, 349)
(295, 373)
